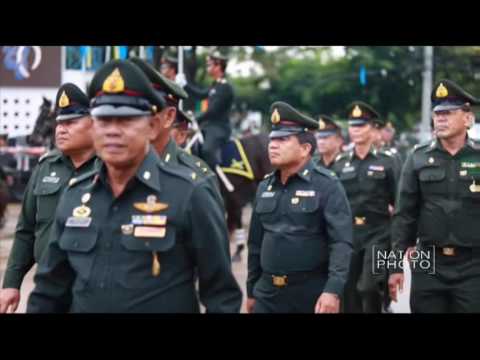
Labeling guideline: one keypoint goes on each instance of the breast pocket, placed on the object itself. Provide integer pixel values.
(266, 207)
(349, 181)
(47, 196)
(432, 180)
(469, 188)
(375, 182)
(79, 243)
(138, 257)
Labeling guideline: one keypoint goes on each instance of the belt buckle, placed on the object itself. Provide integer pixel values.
(360, 220)
(279, 281)
(448, 251)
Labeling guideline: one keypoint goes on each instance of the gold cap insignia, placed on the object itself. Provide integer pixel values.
(275, 117)
(64, 101)
(441, 91)
(357, 112)
(114, 83)
(321, 124)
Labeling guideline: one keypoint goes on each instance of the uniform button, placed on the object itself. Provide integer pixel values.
(102, 285)
(115, 208)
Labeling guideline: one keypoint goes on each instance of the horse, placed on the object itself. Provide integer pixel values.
(44, 131)
(255, 148)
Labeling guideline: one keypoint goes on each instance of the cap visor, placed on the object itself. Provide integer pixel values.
(281, 133)
(120, 111)
(445, 107)
(69, 117)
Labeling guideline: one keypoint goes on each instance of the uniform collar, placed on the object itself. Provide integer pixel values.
(372, 151)
(436, 144)
(148, 172)
(170, 153)
(304, 173)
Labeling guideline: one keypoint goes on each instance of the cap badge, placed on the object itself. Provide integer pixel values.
(357, 112)
(321, 124)
(64, 100)
(275, 117)
(114, 83)
(441, 91)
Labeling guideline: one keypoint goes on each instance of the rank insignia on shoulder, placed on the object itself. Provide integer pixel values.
(151, 205)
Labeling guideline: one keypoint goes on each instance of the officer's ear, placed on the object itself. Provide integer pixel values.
(469, 119)
(155, 127)
(166, 117)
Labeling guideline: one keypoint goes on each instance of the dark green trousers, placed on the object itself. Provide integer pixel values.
(298, 296)
(453, 286)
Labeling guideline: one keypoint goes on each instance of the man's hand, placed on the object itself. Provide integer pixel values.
(395, 281)
(9, 300)
(181, 80)
(250, 305)
(327, 303)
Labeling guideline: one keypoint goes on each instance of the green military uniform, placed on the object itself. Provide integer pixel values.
(438, 210)
(370, 184)
(215, 121)
(47, 182)
(172, 154)
(300, 233)
(136, 252)
(327, 127)
(389, 149)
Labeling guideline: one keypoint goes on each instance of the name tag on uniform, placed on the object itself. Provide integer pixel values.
(304, 193)
(268, 194)
(149, 232)
(470, 165)
(75, 221)
(376, 168)
(149, 220)
(50, 179)
(348, 169)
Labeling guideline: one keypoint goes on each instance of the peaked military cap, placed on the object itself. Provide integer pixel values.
(360, 113)
(217, 55)
(167, 89)
(446, 95)
(71, 103)
(288, 121)
(120, 88)
(183, 119)
(327, 127)
(170, 58)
